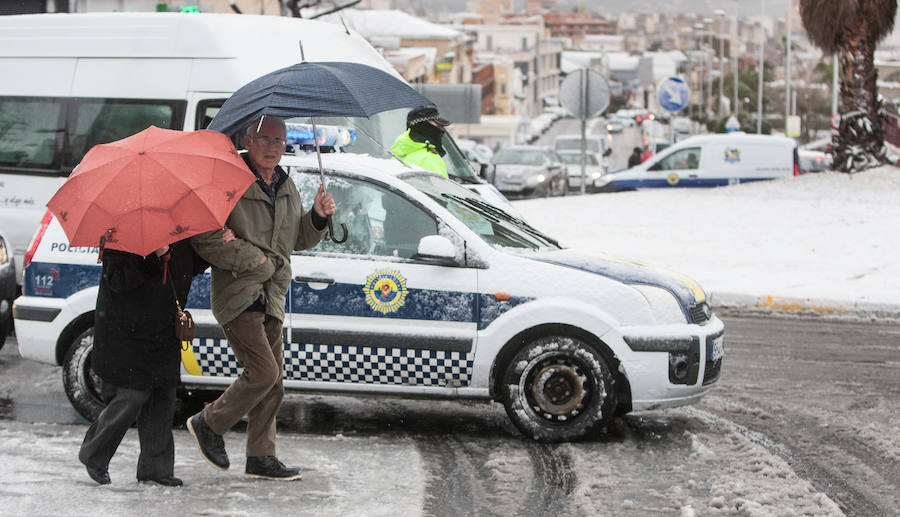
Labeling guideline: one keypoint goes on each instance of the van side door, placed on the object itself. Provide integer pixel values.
(678, 169)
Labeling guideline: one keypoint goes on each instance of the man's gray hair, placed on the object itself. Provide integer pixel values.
(253, 128)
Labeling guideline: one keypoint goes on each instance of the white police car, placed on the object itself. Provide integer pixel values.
(435, 294)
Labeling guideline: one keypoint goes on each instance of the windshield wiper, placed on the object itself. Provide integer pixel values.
(497, 214)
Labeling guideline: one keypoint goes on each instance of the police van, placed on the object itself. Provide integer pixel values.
(710, 161)
(433, 295)
(70, 81)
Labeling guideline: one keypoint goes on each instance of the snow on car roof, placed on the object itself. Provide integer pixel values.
(379, 168)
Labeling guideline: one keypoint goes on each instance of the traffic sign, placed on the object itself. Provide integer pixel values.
(673, 94)
(585, 93)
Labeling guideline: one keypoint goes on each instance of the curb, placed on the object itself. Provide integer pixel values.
(733, 303)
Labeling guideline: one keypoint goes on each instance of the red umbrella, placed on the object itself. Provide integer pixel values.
(151, 189)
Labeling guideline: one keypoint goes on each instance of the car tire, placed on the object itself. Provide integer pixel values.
(558, 388)
(82, 385)
(5, 329)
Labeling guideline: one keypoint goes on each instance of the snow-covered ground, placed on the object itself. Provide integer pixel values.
(824, 242)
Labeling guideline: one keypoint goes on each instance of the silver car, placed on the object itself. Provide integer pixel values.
(527, 171)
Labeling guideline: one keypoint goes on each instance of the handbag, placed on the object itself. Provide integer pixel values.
(184, 322)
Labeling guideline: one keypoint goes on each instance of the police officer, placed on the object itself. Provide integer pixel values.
(421, 144)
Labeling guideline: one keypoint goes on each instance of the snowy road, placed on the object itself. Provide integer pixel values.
(803, 422)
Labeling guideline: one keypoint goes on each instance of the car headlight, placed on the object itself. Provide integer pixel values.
(603, 180)
(596, 175)
(663, 305)
(540, 178)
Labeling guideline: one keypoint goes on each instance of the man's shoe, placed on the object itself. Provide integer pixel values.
(101, 476)
(164, 481)
(212, 446)
(269, 467)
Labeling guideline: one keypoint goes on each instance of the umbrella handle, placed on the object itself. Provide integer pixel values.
(331, 232)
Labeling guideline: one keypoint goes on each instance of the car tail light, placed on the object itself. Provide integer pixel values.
(36, 240)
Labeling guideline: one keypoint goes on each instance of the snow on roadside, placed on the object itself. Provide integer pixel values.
(826, 235)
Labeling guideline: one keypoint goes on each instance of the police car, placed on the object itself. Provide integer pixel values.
(436, 293)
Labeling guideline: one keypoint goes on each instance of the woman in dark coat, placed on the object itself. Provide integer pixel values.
(137, 355)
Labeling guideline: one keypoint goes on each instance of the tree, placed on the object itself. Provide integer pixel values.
(852, 28)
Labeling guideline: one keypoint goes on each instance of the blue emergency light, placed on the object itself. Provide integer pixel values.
(328, 136)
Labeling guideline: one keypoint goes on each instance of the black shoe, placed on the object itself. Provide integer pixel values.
(268, 467)
(101, 476)
(164, 481)
(212, 446)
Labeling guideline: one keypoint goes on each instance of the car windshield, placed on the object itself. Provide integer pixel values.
(496, 227)
(575, 158)
(574, 144)
(511, 156)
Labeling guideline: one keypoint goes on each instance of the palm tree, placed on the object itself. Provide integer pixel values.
(852, 28)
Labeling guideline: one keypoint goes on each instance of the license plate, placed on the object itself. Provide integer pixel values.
(718, 348)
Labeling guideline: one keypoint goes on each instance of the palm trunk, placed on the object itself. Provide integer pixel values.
(859, 143)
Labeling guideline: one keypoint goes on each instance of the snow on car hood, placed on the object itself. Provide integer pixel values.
(686, 290)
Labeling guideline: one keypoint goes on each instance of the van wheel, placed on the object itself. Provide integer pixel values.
(82, 385)
(558, 388)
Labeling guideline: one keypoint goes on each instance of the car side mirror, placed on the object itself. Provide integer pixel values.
(483, 171)
(607, 152)
(436, 249)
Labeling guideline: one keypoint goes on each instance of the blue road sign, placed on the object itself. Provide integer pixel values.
(673, 94)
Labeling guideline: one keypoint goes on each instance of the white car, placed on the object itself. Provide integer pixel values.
(593, 167)
(435, 294)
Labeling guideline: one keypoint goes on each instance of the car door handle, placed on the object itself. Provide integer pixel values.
(314, 279)
(692, 176)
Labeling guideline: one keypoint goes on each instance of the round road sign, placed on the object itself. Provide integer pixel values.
(584, 85)
(673, 94)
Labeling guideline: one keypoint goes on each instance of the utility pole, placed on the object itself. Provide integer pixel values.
(834, 85)
(734, 54)
(787, 73)
(762, 68)
(721, 75)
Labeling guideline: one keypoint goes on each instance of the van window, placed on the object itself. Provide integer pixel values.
(688, 158)
(206, 111)
(99, 121)
(32, 128)
(28, 132)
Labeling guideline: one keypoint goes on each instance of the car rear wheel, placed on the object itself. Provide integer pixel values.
(82, 385)
(558, 388)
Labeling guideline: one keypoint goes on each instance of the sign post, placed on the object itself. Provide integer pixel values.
(585, 94)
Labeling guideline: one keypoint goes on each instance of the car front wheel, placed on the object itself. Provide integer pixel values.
(82, 385)
(558, 388)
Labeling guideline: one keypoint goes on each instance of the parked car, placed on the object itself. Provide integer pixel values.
(527, 170)
(7, 288)
(435, 294)
(814, 161)
(614, 125)
(593, 168)
(681, 125)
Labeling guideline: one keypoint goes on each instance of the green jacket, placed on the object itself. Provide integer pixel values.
(422, 154)
(238, 279)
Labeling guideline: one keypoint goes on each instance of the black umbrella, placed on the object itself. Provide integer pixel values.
(319, 89)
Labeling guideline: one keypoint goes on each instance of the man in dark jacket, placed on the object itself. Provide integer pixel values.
(635, 158)
(250, 278)
(137, 355)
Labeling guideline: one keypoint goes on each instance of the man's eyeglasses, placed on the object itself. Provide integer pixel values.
(268, 141)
